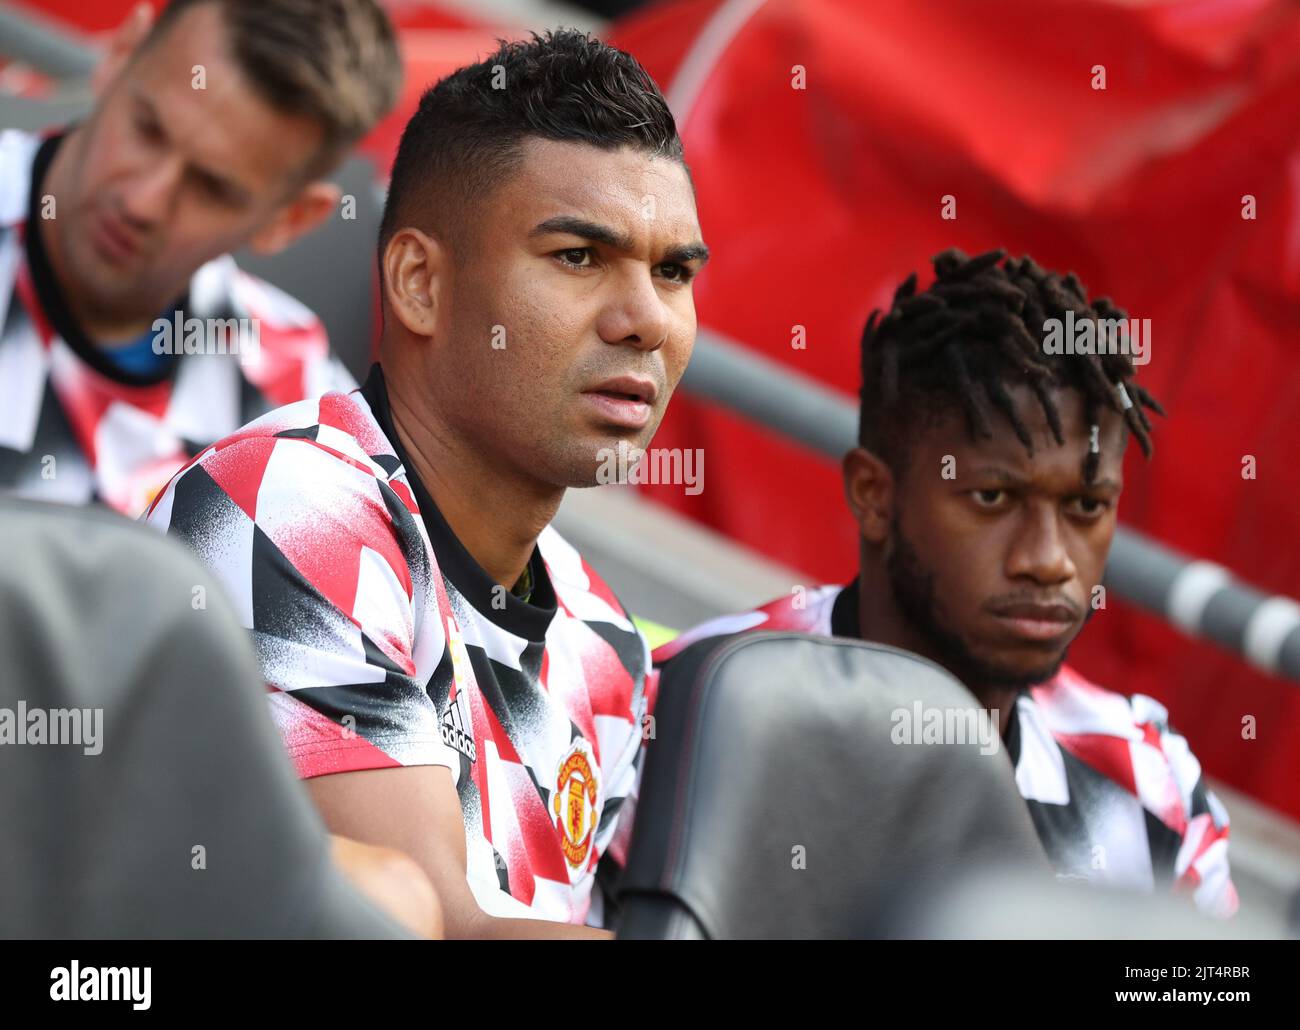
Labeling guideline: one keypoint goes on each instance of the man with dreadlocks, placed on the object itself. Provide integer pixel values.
(985, 488)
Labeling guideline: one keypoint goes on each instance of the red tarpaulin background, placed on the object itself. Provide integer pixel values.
(817, 202)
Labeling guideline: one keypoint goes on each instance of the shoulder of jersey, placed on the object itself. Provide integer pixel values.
(17, 149)
(803, 611)
(337, 423)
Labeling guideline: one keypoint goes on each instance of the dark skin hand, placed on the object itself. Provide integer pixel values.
(1000, 562)
(577, 287)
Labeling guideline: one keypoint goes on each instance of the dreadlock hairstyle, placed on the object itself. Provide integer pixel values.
(978, 329)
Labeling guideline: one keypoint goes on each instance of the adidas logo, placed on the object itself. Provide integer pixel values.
(454, 732)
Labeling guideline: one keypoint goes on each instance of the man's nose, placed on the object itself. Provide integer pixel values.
(636, 314)
(149, 196)
(1039, 550)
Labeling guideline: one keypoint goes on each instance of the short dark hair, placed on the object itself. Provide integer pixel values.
(465, 139)
(334, 61)
(979, 328)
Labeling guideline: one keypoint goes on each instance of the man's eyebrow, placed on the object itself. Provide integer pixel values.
(142, 101)
(1000, 474)
(573, 226)
(594, 231)
(234, 189)
(1003, 475)
(689, 252)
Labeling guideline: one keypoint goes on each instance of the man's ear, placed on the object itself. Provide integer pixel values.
(415, 265)
(869, 489)
(313, 204)
(125, 41)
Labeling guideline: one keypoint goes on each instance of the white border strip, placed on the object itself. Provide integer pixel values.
(704, 54)
(1269, 626)
(1191, 591)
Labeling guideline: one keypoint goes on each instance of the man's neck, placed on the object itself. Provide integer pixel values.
(103, 328)
(496, 516)
(881, 621)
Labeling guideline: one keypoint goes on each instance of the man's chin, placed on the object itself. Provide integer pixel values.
(583, 464)
(105, 286)
(1012, 674)
(605, 460)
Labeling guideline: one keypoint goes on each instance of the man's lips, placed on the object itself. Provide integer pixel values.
(113, 240)
(624, 400)
(1040, 623)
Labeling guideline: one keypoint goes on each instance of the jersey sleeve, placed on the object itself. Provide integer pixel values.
(1200, 864)
(306, 544)
(291, 358)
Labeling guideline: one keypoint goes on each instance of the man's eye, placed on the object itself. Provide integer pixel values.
(989, 498)
(213, 189)
(148, 129)
(1089, 507)
(578, 257)
(676, 273)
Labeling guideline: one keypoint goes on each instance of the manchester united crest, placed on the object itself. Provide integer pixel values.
(577, 803)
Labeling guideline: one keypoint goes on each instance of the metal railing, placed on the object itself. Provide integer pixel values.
(30, 40)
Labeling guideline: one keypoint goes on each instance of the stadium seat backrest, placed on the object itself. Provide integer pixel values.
(780, 798)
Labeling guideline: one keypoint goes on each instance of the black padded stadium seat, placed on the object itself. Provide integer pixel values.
(173, 812)
(774, 802)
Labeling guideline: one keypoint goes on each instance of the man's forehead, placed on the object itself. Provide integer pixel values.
(627, 188)
(950, 433)
(195, 39)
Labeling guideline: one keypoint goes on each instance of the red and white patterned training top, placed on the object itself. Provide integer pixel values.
(385, 644)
